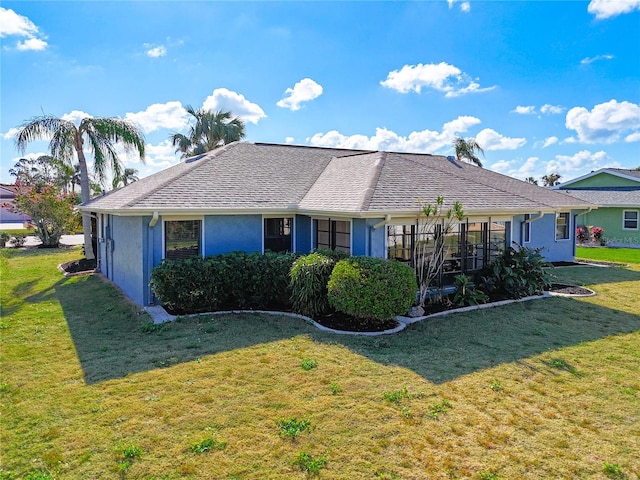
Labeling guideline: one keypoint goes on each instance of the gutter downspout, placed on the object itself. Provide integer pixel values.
(386, 220)
(150, 230)
(530, 220)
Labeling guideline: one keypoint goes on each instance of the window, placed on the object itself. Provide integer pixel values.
(182, 239)
(630, 219)
(562, 226)
(527, 228)
(468, 247)
(400, 240)
(333, 235)
(277, 234)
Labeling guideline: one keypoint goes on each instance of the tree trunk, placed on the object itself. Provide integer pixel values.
(86, 196)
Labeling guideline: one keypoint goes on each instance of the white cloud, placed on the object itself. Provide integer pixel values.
(75, 116)
(588, 60)
(611, 8)
(524, 110)
(425, 141)
(582, 161)
(303, 91)
(11, 133)
(155, 52)
(161, 155)
(633, 137)
(225, 99)
(464, 6)
(13, 24)
(552, 109)
(550, 141)
(489, 139)
(170, 115)
(605, 122)
(511, 168)
(441, 77)
(32, 44)
(289, 140)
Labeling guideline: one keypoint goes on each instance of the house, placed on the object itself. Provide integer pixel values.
(257, 197)
(616, 191)
(9, 219)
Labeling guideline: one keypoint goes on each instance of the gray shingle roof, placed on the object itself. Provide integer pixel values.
(624, 171)
(609, 197)
(247, 176)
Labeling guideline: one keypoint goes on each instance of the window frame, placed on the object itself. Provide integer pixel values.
(636, 220)
(567, 226)
(166, 220)
(332, 233)
(526, 234)
(291, 219)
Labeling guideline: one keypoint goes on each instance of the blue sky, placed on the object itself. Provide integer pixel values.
(543, 86)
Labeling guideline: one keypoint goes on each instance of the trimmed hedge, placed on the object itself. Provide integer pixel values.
(372, 288)
(233, 280)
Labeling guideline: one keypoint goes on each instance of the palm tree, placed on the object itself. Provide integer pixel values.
(67, 139)
(211, 130)
(531, 180)
(466, 149)
(129, 175)
(551, 180)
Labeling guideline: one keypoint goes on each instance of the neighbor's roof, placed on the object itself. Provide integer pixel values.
(609, 196)
(618, 172)
(253, 177)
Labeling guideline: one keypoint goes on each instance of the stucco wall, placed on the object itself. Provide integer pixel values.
(611, 220)
(125, 256)
(226, 233)
(302, 232)
(543, 235)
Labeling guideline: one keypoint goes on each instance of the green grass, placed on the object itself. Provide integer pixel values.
(617, 255)
(542, 389)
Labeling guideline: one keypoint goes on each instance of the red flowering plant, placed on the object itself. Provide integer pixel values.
(52, 213)
(582, 234)
(597, 234)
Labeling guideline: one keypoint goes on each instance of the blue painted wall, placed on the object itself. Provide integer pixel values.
(302, 232)
(365, 240)
(124, 255)
(543, 235)
(226, 233)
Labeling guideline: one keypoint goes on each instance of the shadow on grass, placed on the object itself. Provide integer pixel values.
(113, 338)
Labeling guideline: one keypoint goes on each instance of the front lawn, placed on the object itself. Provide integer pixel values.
(618, 255)
(90, 389)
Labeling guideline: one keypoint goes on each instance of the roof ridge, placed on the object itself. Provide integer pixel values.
(371, 189)
(196, 158)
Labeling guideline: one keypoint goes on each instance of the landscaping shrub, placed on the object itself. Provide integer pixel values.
(231, 280)
(466, 293)
(309, 277)
(516, 273)
(372, 288)
(191, 285)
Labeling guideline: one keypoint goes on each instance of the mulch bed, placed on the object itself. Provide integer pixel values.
(569, 289)
(79, 266)
(347, 323)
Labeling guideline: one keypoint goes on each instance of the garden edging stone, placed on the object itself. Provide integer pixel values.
(160, 315)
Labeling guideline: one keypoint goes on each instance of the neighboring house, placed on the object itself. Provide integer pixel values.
(616, 191)
(8, 219)
(258, 197)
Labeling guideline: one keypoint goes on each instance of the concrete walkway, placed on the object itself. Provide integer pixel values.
(68, 240)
